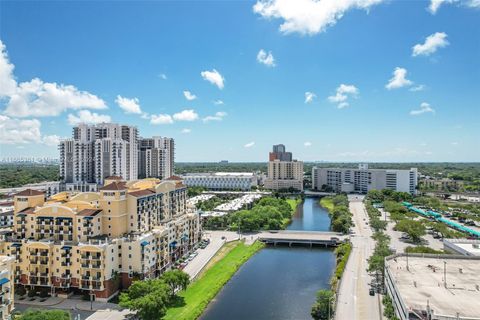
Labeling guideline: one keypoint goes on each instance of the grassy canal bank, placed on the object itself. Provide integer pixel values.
(217, 273)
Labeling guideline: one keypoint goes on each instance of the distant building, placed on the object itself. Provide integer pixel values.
(444, 184)
(283, 172)
(362, 180)
(221, 180)
(434, 287)
(156, 157)
(223, 161)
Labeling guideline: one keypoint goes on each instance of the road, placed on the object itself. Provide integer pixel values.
(354, 301)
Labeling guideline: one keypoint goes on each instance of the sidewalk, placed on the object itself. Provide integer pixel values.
(74, 303)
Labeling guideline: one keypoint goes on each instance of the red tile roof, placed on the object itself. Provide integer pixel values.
(29, 192)
(114, 186)
(174, 178)
(142, 193)
(113, 178)
(89, 212)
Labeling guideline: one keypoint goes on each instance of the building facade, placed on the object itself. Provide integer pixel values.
(156, 157)
(362, 180)
(95, 243)
(222, 180)
(6, 287)
(98, 151)
(283, 172)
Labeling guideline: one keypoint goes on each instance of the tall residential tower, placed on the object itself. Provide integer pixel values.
(283, 172)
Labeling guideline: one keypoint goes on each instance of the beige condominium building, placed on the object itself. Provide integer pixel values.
(283, 172)
(98, 242)
(6, 287)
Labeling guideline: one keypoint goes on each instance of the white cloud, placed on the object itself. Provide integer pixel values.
(129, 105)
(218, 102)
(15, 131)
(38, 98)
(51, 141)
(307, 144)
(85, 116)
(214, 77)
(424, 108)
(186, 115)
(432, 43)
(455, 143)
(186, 130)
(266, 58)
(250, 144)
(163, 76)
(217, 117)
(161, 119)
(189, 96)
(343, 92)
(309, 96)
(308, 16)
(420, 87)
(435, 5)
(399, 79)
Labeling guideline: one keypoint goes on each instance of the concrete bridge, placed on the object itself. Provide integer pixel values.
(309, 238)
(312, 193)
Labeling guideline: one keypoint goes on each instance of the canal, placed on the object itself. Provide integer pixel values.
(279, 282)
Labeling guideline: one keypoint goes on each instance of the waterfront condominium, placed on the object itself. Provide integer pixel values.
(156, 157)
(96, 243)
(363, 179)
(283, 172)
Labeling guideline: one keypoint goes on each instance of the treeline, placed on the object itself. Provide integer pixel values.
(18, 175)
(340, 215)
(267, 214)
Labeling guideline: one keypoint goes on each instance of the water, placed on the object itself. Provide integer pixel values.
(279, 282)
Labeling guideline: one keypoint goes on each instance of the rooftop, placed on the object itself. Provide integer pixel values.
(29, 193)
(114, 186)
(423, 283)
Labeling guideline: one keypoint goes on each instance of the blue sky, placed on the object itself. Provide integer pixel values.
(320, 85)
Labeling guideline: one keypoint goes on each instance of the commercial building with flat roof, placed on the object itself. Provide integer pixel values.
(434, 287)
(221, 180)
(467, 247)
(363, 179)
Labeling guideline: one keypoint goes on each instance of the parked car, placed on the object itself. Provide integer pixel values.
(371, 292)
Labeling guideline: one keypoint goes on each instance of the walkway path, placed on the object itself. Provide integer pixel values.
(354, 301)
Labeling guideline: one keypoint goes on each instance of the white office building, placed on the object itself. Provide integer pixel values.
(221, 180)
(156, 157)
(363, 179)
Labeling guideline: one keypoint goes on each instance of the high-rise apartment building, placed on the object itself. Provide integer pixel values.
(156, 157)
(96, 152)
(99, 151)
(283, 172)
(97, 243)
(363, 179)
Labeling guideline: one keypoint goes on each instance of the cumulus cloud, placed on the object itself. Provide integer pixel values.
(186, 130)
(266, 58)
(309, 96)
(189, 96)
(23, 131)
(163, 76)
(186, 115)
(214, 77)
(343, 92)
(307, 144)
(37, 98)
(250, 144)
(308, 17)
(161, 119)
(436, 4)
(87, 117)
(217, 117)
(399, 79)
(431, 44)
(424, 108)
(129, 105)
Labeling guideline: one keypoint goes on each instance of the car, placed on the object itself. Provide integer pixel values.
(371, 292)
(223, 237)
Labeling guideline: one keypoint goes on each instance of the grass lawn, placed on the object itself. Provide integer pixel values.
(327, 203)
(202, 291)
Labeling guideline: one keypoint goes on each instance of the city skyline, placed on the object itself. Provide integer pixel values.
(331, 87)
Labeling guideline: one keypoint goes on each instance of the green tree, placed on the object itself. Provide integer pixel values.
(322, 308)
(414, 229)
(176, 280)
(44, 315)
(149, 299)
